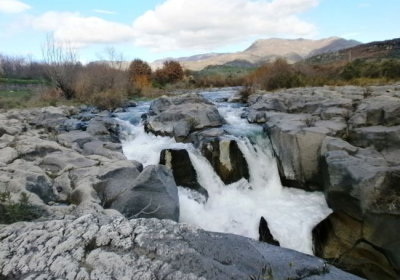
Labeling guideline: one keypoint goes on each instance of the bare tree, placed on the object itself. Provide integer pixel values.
(61, 65)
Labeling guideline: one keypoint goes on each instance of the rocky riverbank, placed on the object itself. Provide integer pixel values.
(344, 141)
(70, 164)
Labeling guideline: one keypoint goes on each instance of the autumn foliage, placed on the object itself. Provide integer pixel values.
(140, 73)
(171, 72)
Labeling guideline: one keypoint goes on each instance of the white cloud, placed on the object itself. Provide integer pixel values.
(104, 12)
(209, 24)
(364, 5)
(79, 30)
(185, 24)
(13, 6)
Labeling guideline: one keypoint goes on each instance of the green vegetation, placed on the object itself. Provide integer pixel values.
(13, 212)
(280, 74)
(22, 81)
(14, 99)
(266, 274)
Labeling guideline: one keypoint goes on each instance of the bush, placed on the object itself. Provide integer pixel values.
(276, 75)
(171, 72)
(109, 100)
(140, 73)
(245, 92)
(13, 212)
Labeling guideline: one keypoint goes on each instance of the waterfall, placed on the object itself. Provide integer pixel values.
(238, 207)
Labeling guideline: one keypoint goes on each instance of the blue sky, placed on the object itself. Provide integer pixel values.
(154, 29)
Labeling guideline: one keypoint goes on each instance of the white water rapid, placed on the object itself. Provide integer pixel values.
(235, 208)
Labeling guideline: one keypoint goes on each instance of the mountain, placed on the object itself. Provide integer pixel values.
(371, 51)
(266, 50)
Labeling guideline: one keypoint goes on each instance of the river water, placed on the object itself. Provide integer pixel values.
(238, 207)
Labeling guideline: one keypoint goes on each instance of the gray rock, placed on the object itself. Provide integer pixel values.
(5, 140)
(74, 139)
(379, 137)
(184, 173)
(179, 116)
(27, 176)
(376, 111)
(108, 150)
(154, 194)
(297, 151)
(226, 158)
(8, 155)
(73, 124)
(59, 162)
(32, 148)
(62, 187)
(99, 247)
(115, 180)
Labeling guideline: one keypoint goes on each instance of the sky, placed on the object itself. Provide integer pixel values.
(155, 29)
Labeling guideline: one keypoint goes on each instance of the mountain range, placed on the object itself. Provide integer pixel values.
(265, 50)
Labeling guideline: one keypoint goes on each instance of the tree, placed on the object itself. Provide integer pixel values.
(61, 65)
(140, 73)
(171, 72)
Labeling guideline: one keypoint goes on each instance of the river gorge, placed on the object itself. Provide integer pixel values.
(185, 187)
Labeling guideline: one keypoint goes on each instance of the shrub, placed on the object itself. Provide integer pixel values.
(108, 100)
(276, 75)
(140, 73)
(171, 72)
(12, 212)
(245, 92)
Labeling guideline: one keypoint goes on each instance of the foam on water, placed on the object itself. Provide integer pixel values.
(237, 208)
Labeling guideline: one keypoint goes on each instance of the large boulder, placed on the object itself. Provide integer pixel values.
(375, 111)
(362, 189)
(8, 155)
(29, 177)
(180, 116)
(185, 175)
(153, 194)
(342, 241)
(98, 247)
(226, 158)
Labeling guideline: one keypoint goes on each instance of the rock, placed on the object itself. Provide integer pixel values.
(8, 155)
(353, 183)
(73, 124)
(59, 162)
(380, 137)
(104, 128)
(10, 130)
(31, 148)
(5, 140)
(265, 233)
(179, 116)
(226, 158)
(340, 240)
(108, 150)
(51, 118)
(74, 139)
(154, 194)
(184, 173)
(96, 128)
(27, 176)
(62, 187)
(116, 180)
(96, 246)
(119, 110)
(377, 111)
(297, 152)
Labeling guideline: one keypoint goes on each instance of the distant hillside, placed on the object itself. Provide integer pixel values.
(370, 51)
(266, 50)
